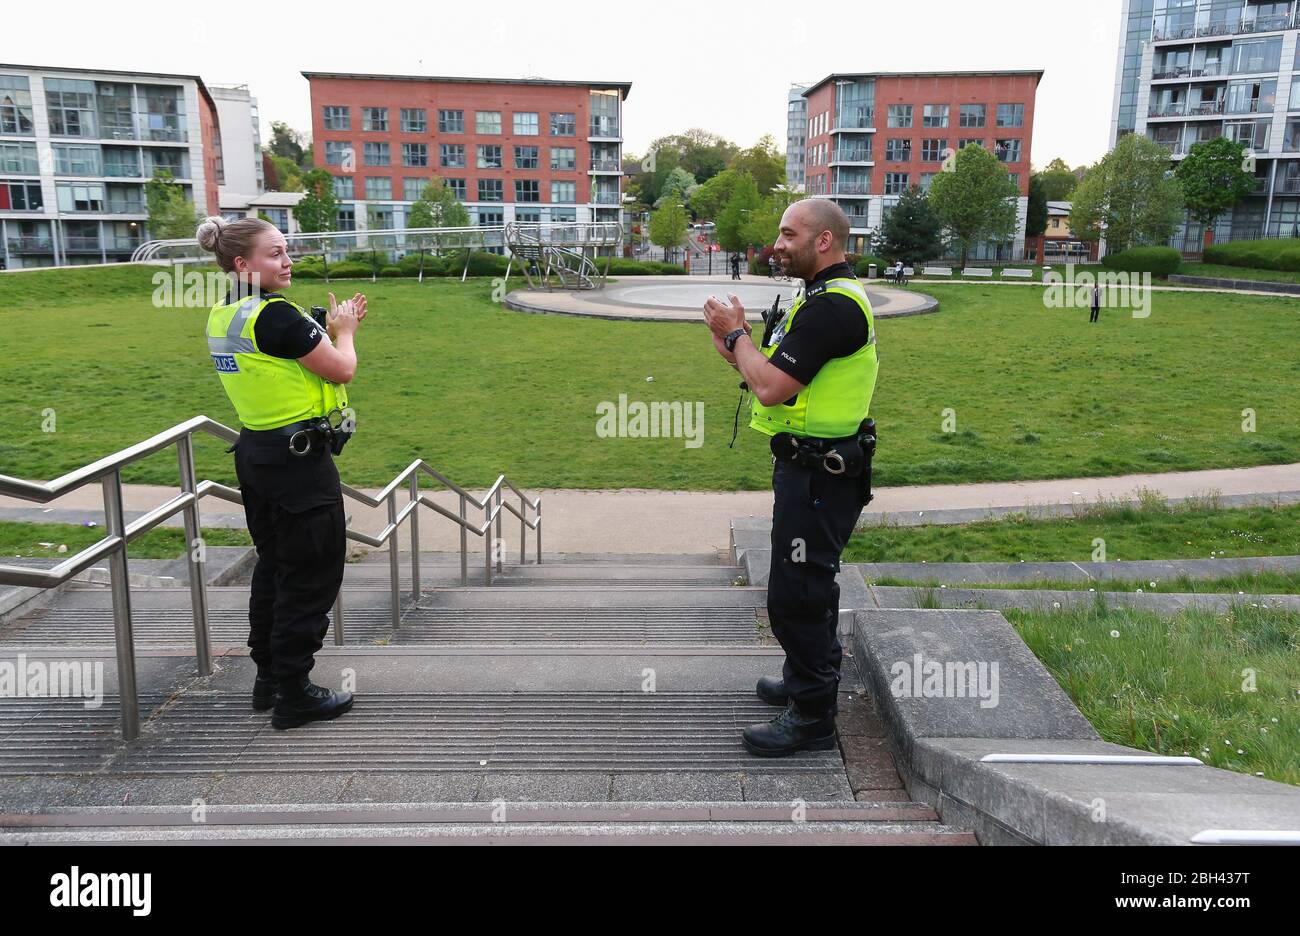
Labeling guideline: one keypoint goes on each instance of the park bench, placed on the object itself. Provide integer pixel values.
(1017, 273)
(937, 271)
(978, 271)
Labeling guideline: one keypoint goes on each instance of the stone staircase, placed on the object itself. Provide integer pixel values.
(593, 698)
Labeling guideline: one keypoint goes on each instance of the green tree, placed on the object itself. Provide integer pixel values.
(1214, 179)
(437, 207)
(677, 187)
(171, 213)
(318, 209)
(668, 226)
(1036, 220)
(763, 163)
(288, 175)
(289, 144)
(976, 199)
(709, 198)
(735, 214)
(1129, 196)
(763, 224)
(911, 232)
(1059, 180)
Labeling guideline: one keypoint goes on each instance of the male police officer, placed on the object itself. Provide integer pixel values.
(812, 384)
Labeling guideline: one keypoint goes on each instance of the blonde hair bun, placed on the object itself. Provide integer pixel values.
(209, 232)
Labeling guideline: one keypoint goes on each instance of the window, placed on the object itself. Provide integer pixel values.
(411, 188)
(935, 115)
(487, 122)
(70, 105)
(900, 116)
(414, 120)
(15, 105)
(375, 154)
(451, 155)
(895, 183)
(972, 115)
(374, 118)
(489, 156)
(563, 192)
(564, 157)
(81, 197)
(1011, 115)
(379, 187)
(415, 154)
(898, 151)
(932, 150)
(164, 113)
(926, 179)
(20, 158)
(525, 123)
(380, 217)
(346, 219)
(1007, 150)
(604, 113)
(490, 190)
(451, 121)
(20, 196)
(1252, 97)
(76, 160)
(1257, 55)
(337, 118)
(528, 216)
(962, 144)
(338, 153)
(564, 125)
(562, 215)
(343, 187)
(527, 190)
(526, 157)
(488, 218)
(457, 187)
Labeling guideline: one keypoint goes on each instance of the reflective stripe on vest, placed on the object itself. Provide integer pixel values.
(839, 397)
(266, 391)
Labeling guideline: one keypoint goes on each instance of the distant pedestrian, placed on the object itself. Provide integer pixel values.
(735, 266)
(1096, 302)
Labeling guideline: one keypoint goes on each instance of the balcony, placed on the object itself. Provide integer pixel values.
(1287, 186)
(1212, 70)
(606, 165)
(851, 154)
(852, 119)
(1251, 107)
(1162, 32)
(123, 172)
(854, 189)
(30, 245)
(606, 198)
(857, 220)
(1175, 147)
(81, 243)
(603, 129)
(1260, 187)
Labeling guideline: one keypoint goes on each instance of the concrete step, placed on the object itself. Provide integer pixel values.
(164, 619)
(588, 574)
(430, 559)
(594, 823)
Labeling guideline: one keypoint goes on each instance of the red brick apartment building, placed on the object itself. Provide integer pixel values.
(511, 149)
(872, 135)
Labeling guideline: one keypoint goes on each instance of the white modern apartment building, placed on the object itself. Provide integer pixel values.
(76, 148)
(796, 135)
(1194, 70)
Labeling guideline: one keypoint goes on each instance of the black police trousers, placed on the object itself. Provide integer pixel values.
(294, 508)
(813, 516)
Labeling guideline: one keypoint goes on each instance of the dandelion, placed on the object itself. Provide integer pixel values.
(1114, 633)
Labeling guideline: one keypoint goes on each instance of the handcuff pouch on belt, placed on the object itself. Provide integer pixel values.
(849, 457)
(320, 431)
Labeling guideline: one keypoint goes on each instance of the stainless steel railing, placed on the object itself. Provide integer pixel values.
(118, 534)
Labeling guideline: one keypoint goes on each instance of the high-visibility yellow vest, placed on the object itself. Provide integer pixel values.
(839, 397)
(266, 391)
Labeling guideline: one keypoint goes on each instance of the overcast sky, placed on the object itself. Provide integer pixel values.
(725, 67)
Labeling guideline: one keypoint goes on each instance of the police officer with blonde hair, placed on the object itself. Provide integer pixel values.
(812, 378)
(284, 371)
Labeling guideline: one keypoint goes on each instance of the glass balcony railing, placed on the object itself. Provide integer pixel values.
(855, 118)
(605, 198)
(605, 165)
(30, 245)
(1210, 70)
(604, 128)
(851, 188)
(1288, 186)
(1249, 107)
(123, 171)
(1245, 25)
(80, 243)
(852, 154)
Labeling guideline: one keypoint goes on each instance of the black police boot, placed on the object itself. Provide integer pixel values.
(789, 732)
(301, 701)
(771, 689)
(263, 690)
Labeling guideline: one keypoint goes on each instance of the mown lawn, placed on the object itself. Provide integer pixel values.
(1147, 528)
(476, 389)
(31, 539)
(1221, 687)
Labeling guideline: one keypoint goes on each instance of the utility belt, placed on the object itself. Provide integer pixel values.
(308, 435)
(849, 457)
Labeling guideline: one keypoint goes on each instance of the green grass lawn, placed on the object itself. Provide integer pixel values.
(1178, 684)
(1253, 583)
(1220, 271)
(1146, 529)
(26, 539)
(476, 389)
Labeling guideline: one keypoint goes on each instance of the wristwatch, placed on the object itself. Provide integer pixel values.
(731, 339)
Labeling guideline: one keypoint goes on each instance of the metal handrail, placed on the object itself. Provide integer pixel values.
(119, 534)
